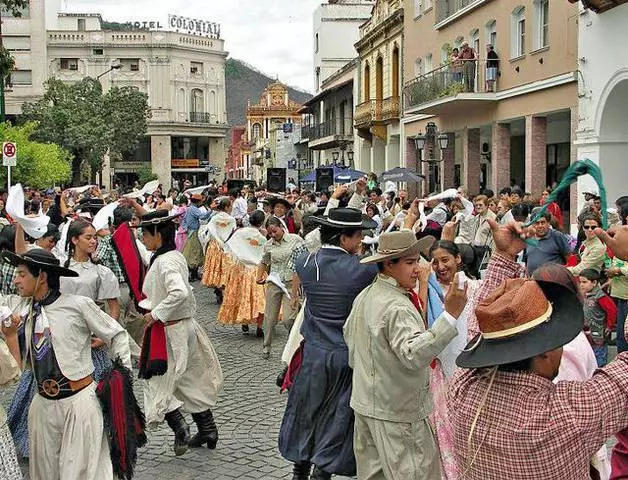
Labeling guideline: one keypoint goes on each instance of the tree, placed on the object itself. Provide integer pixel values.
(39, 165)
(145, 175)
(89, 124)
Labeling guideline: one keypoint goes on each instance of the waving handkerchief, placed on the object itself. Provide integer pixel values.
(35, 226)
(101, 220)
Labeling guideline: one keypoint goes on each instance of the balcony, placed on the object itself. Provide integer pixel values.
(450, 9)
(200, 117)
(376, 112)
(331, 133)
(444, 89)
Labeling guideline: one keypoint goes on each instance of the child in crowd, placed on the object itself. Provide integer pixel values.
(600, 314)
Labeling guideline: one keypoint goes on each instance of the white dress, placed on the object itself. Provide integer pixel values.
(94, 281)
(194, 377)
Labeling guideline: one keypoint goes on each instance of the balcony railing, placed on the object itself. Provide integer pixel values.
(332, 127)
(445, 82)
(306, 131)
(200, 117)
(448, 8)
(376, 111)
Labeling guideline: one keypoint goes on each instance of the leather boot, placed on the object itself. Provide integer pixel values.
(181, 431)
(319, 474)
(207, 430)
(301, 471)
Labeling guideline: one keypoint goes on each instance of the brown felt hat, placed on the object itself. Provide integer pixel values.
(394, 245)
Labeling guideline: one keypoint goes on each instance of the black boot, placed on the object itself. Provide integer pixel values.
(319, 474)
(193, 274)
(301, 471)
(218, 293)
(181, 431)
(207, 431)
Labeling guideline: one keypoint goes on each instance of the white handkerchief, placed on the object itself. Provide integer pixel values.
(274, 278)
(34, 226)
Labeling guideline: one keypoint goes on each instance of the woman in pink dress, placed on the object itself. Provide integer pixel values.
(181, 235)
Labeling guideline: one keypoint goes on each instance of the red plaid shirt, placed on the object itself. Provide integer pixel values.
(530, 428)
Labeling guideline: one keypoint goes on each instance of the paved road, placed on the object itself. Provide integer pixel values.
(248, 413)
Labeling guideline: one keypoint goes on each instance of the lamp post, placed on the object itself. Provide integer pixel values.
(350, 157)
(334, 156)
(113, 67)
(431, 134)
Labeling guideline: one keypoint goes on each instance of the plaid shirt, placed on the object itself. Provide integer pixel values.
(299, 250)
(528, 427)
(7, 275)
(108, 257)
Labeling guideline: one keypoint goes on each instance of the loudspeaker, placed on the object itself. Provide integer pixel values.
(324, 179)
(235, 184)
(276, 180)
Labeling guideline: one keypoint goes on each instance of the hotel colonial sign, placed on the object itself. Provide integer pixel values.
(177, 23)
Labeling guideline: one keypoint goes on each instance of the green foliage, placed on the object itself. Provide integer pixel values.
(87, 123)
(452, 90)
(13, 7)
(7, 63)
(145, 174)
(39, 165)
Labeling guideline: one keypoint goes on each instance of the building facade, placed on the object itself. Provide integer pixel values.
(379, 83)
(236, 156)
(603, 92)
(270, 130)
(183, 76)
(515, 130)
(336, 26)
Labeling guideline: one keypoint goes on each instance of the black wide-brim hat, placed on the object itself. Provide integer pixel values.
(157, 217)
(564, 324)
(275, 200)
(341, 218)
(40, 259)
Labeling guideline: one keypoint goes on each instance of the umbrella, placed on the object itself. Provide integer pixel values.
(341, 174)
(401, 174)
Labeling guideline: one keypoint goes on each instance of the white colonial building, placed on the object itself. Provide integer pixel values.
(602, 134)
(183, 75)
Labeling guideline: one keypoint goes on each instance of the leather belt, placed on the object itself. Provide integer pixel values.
(53, 389)
(173, 322)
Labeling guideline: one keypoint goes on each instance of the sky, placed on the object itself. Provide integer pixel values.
(275, 36)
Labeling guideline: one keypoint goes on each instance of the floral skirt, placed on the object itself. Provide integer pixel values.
(9, 468)
(440, 420)
(244, 299)
(215, 270)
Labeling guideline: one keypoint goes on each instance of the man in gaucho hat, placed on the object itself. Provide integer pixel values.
(510, 420)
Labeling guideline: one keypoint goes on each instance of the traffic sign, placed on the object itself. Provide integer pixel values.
(9, 154)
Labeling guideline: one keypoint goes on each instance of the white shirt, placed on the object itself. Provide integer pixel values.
(239, 210)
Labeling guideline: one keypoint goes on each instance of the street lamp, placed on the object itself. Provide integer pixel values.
(350, 157)
(113, 67)
(432, 134)
(335, 156)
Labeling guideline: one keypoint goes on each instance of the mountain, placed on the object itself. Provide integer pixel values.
(243, 83)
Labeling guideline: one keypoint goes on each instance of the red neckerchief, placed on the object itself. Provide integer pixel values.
(416, 301)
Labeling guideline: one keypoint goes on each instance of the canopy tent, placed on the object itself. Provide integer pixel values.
(401, 174)
(341, 174)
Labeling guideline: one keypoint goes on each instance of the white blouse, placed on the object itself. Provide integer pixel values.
(94, 281)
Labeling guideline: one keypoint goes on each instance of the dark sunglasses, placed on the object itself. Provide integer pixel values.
(589, 227)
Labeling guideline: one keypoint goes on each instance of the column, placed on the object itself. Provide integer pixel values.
(216, 157)
(429, 153)
(448, 165)
(500, 156)
(425, 171)
(161, 156)
(378, 156)
(536, 154)
(411, 164)
(573, 194)
(471, 160)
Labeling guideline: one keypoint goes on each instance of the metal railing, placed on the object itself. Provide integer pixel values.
(447, 8)
(336, 126)
(306, 131)
(200, 117)
(376, 111)
(447, 81)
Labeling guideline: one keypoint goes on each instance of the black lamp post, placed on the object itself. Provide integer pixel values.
(350, 157)
(334, 156)
(432, 134)
(113, 67)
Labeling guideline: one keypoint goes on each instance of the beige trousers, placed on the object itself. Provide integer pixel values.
(131, 320)
(277, 301)
(392, 451)
(66, 438)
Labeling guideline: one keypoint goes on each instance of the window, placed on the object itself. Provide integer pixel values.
(542, 23)
(97, 51)
(257, 131)
(491, 33)
(429, 63)
(80, 24)
(69, 63)
(518, 40)
(197, 104)
(367, 82)
(130, 64)
(318, 78)
(445, 51)
(418, 67)
(316, 43)
(196, 68)
(17, 44)
(21, 77)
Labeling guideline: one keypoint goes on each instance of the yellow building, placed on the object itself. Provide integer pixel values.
(517, 129)
(376, 116)
(269, 131)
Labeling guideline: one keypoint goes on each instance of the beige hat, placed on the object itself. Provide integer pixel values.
(394, 245)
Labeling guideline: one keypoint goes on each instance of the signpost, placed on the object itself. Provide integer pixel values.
(9, 158)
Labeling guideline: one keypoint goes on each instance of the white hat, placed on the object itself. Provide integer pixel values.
(591, 191)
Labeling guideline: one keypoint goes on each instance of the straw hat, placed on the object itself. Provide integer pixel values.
(394, 245)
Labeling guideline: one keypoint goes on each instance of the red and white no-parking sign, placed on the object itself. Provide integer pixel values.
(9, 154)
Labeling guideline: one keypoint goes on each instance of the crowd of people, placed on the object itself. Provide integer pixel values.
(448, 337)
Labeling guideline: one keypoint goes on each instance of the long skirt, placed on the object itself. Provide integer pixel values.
(317, 425)
(244, 299)
(193, 379)
(215, 269)
(193, 251)
(9, 468)
(443, 427)
(17, 416)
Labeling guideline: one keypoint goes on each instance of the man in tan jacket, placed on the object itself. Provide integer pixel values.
(390, 351)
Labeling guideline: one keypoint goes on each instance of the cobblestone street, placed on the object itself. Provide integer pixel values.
(248, 413)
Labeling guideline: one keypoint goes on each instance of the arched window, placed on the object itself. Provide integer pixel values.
(367, 82)
(491, 33)
(445, 52)
(257, 131)
(541, 15)
(428, 64)
(379, 78)
(196, 101)
(418, 67)
(181, 102)
(474, 40)
(213, 106)
(518, 32)
(395, 72)
(316, 43)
